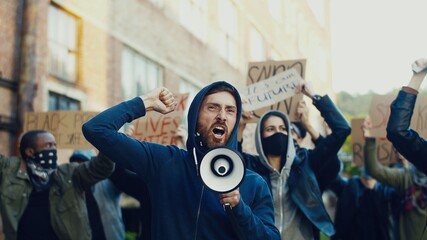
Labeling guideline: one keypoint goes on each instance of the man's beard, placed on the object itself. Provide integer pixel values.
(208, 139)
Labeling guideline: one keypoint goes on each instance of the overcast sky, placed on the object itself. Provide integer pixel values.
(374, 43)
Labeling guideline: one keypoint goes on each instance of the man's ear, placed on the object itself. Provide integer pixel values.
(29, 152)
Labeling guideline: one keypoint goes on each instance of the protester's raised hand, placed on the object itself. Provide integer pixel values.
(160, 100)
(366, 127)
(419, 68)
(246, 115)
(307, 89)
(302, 112)
(419, 65)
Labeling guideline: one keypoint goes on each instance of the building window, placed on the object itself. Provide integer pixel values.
(187, 87)
(274, 55)
(62, 102)
(194, 18)
(257, 47)
(227, 17)
(275, 8)
(318, 9)
(139, 74)
(62, 34)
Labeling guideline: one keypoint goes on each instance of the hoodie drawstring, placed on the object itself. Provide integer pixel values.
(195, 161)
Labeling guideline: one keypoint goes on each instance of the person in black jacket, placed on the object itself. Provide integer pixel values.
(366, 209)
(407, 141)
(329, 169)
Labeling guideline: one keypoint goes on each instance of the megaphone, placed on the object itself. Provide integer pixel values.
(222, 169)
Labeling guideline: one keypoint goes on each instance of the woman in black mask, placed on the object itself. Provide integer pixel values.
(293, 173)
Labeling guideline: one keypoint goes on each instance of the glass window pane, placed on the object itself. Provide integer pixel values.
(70, 66)
(62, 32)
(53, 57)
(193, 16)
(62, 29)
(227, 21)
(257, 49)
(139, 74)
(152, 76)
(71, 34)
(63, 54)
(53, 103)
(187, 87)
(275, 8)
(74, 105)
(52, 23)
(127, 74)
(61, 102)
(63, 105)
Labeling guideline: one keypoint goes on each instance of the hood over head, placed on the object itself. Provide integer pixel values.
(194, 141)
(291, 152)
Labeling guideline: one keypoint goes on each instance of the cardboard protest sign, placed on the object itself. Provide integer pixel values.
(357, 141)
(385, 152)
(259, 71)
(66, 126)
(379, 112)
(160, 128)
(248, 144)
(272, 90)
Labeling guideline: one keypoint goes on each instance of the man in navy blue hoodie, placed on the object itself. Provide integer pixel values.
(182, 206)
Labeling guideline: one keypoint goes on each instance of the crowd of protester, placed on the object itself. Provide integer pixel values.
(279, 197)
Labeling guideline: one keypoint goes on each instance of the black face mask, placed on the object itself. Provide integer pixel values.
(276, 144)
(40, 167)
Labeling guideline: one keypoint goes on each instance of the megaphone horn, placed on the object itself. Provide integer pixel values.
(222, 169)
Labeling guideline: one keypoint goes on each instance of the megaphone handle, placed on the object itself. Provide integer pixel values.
(228, 209)
(227, 206)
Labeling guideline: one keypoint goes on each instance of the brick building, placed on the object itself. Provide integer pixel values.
(88, 55)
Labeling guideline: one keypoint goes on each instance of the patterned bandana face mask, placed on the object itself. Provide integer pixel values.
(40, 167)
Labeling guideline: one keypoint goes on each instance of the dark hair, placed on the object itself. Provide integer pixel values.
(299, 129)
(28, 140)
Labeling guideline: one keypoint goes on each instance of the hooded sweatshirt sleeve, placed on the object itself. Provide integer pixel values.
(329, 146)
(91, 172)
(102, 132)
(255, 215)
(394, 177)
